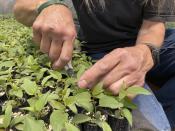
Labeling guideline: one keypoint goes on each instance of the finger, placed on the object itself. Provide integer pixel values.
(128, 80)
(37, 37)
(102, 67)
(55, 50)
(115, 74)
(45, 43)
(65, 56)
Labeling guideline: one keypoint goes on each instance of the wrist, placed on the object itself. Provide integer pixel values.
(155, 52)
(144, 49)
(146, 53)
(49, 3)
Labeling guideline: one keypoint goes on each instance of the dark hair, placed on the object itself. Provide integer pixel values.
(90, 4)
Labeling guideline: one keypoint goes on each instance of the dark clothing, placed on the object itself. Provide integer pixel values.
(117, 25)
(163, 75)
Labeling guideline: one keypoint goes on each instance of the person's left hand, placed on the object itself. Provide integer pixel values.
(128, 65)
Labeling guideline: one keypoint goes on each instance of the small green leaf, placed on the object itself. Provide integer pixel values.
(110, 102)
(30, 124)
(17, 120)
(81, 71)
(127, 114)
(20, 127)
(1, 121)
(122, 94)
(29, 86)
(44, 81)
(69, 81)
(104, 125)
(31, 109)
(57, 105)
(53, 96)
(7, 116)
(40, 73)
(84, 100)
(66, 93)
(41, 102)
(56, 75)
(32, 101)
(58, 119)
(134, 90)
(17, 93)
(71, 127)
(30, 60)
(7, 64)
(129, 104)
(70, 100)
(80, 118)
(98, 89)
(73, 108)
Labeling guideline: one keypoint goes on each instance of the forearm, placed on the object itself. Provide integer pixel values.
(25, 11)
(151, 32)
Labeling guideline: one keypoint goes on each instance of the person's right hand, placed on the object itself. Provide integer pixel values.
(54, 31)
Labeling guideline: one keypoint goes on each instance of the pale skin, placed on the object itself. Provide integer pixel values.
(54, 31)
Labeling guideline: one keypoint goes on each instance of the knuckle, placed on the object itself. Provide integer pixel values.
(36, 26)
(127, 69)
(132, 66)
(124, 53)
(111, 55)
(120, 50)
(70, 33)
(58, 30)
(48, 28)
(121, 53)
(65, 59)
(103, 66)
(129, 66)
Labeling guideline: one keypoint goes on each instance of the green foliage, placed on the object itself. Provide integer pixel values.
(30, 124)
(58, 120)
(81, 118)
(36, 98)
(128, 115)
(7, 116)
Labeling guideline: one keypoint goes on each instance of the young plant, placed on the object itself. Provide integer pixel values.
(34, 97)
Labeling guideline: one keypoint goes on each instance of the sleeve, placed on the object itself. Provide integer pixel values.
(159, 10)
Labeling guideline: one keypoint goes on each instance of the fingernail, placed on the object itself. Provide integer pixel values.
(82, 83)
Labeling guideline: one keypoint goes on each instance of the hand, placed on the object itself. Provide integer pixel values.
(128, 65)
(54, 30)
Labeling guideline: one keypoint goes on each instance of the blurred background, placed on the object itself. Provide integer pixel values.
(6, 6)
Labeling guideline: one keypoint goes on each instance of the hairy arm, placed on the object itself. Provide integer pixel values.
(25, 11)
(151, 32)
